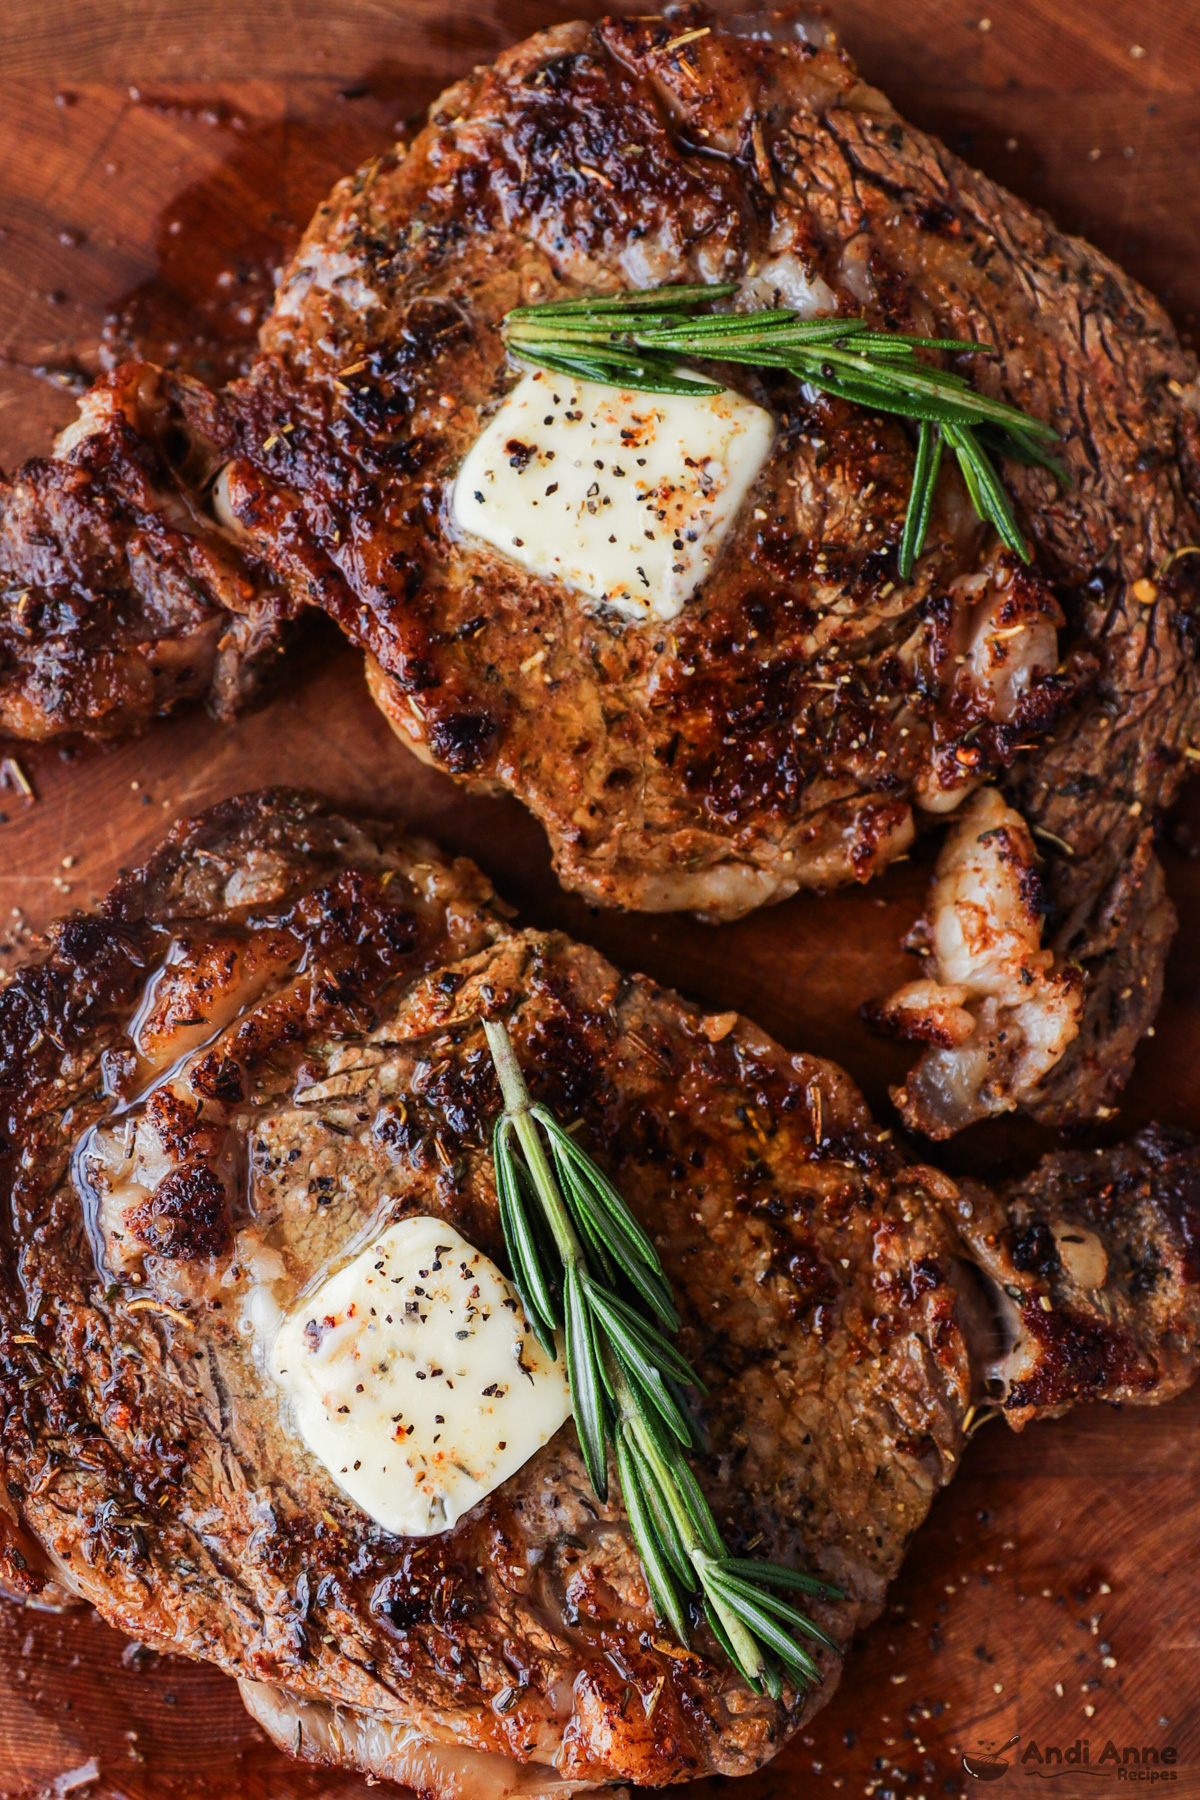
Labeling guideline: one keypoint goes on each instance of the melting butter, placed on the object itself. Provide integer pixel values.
(415, 1378)
(624, 496)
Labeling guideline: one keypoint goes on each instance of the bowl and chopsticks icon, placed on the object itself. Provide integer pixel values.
(986, 1764)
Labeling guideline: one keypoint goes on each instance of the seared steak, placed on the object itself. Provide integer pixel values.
(780, 732)
(266, 1046)
(122, 596)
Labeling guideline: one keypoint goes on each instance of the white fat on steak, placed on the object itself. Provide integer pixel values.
(414, 1377)
(995, 1011)
(625, 497)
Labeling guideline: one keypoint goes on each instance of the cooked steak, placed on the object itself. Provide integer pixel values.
(121, 595)
(780, 732)
(265, 1048)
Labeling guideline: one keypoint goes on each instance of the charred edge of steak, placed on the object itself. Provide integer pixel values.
(122, 596)
(1121, 943)
(292, 836)
(1096, 1261)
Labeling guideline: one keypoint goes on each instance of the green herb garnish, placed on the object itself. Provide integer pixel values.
(583, 1265)
(635, 340)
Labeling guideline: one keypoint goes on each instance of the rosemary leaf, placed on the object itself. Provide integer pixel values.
(658, 1434)
(629, 1385)
(779, 1609)
(698, 1509)
(920, 499)
(718, 1630)
(775, 1575)
(644, 1476)
(662, 1566)
(1014, 444)
(590, 1193)
(618, 1214)
(586, 1383)
(528, 1273)
(753, 1610)
(648, 1340)
(643, 373)
(600, 1254)
(699, 1440)
(983, 484)
(628, 300)
(634, 340)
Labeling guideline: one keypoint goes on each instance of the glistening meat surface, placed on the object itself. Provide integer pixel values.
(268, 1043)
(120, 595)
(781, 731)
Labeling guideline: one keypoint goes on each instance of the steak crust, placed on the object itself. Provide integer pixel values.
(807, 706)
(281, 1011)
(122, 596)
(779, 734)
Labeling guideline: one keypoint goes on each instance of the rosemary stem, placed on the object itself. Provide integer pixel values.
(629, 1415)
(625, 1381)
(517, 1103)
(508, 1070)
(633, 341)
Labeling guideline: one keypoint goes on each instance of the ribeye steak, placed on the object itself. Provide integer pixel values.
(122, 596)
(782, 730)
(265, 1046)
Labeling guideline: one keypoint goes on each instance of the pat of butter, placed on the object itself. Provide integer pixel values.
(624, 496)
(416, 1379)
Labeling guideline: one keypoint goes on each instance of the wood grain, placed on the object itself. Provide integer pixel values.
(158, 157)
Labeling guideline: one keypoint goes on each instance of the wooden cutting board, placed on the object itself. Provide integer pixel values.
(156, 157)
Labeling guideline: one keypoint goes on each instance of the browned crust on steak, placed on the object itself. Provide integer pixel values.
(1119, 931)
(119, 596)
(778, 734)
(340, 972)
(1131, 1337)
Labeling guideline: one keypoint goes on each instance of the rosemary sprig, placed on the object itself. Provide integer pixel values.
(635, 340)
(583, 1265)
